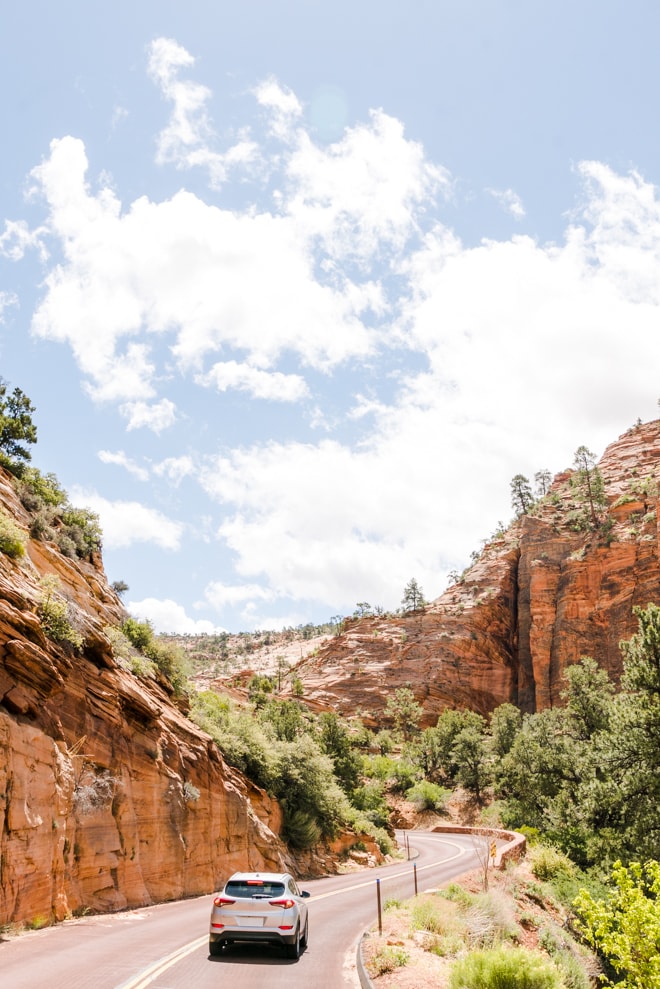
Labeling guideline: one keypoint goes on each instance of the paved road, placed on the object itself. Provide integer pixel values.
(166, 946)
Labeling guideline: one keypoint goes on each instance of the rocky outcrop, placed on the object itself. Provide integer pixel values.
(539, 597)
(109, 796)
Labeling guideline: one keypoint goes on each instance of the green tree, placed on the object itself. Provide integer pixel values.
(505, 723)
(413, 597)
(542, 480)
(522, 498)
(471, 755)
(16, 426)
(625, 929)
(404, 711)
(589, 484)
(632, 759)
(335, 742)
(588, 697)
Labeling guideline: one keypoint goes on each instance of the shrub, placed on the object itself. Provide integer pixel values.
(489, 920)
(548, 863)
(387, 959)
(12, 539)
(564, 953)
(427, 796)
(53, 613)
(504, 968)
(427, 915)
(625, 927)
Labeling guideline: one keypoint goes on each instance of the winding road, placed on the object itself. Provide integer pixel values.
(166, 946)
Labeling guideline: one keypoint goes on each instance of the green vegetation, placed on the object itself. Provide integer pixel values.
(17, 430)
(12, 538)
(165, 657)
(504, 968)
(76, 531)
(624, 927)
(413, 598)
(55, 614)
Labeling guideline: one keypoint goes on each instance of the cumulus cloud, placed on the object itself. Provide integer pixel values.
(17, 238)
(187, 139)
(509, 201)
(440, 369)
(7, 299)
(175, 469)
(157, 416)
(270, 385)
(125, 523)
(170, 618)
(121, 460)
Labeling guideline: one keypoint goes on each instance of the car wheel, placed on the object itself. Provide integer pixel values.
(215, 948)
(305, 937)
(293, 950)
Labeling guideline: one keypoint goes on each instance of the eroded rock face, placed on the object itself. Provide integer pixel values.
(538, 599)
(109, 796)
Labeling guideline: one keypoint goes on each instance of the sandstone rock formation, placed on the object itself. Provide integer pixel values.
(109, 796)
(540, 596)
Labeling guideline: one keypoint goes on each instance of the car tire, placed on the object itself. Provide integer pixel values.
(305, 937)
(293, 950)
(215, 948)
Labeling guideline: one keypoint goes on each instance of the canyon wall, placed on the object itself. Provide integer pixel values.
(109, 796)
(540, 596)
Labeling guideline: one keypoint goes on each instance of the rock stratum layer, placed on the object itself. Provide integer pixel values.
(540, 596)
(109, 796)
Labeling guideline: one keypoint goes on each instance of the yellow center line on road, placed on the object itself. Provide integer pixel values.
(148, 975)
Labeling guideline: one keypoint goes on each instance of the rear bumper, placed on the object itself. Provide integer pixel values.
(231, 935)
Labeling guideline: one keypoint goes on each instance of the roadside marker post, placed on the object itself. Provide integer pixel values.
(415, 875)
(380, 910)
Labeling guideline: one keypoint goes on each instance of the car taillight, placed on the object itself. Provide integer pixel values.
(287, 904)
(217, 927)
(222, 901)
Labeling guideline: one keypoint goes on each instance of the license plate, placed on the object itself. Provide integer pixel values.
(250, 921)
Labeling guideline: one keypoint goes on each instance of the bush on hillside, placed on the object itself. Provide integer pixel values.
(504, 968)
(12, 539)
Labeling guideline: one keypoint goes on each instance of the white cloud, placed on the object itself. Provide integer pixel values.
(170, 618)
(7, 299)
(17, 238)
(175, 469)
(483, 361)
(121, 460)
(125, 523)
(185, 142)
(270, 385)
(510, 201)
(157, 417)
(525, 361)
(285, 109)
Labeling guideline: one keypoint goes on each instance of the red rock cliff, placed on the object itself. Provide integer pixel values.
(537, 599)
(109, 796)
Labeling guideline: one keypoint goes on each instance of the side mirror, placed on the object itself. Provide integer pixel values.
(305, 893)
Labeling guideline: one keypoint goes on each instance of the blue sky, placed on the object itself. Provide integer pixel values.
(296, 287)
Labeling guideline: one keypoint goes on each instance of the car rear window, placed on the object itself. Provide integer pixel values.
(254, 887)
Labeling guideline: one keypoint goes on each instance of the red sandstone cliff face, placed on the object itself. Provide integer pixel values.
(109, 796)
(537, 600)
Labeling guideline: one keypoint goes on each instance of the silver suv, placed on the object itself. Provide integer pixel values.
(260, 906)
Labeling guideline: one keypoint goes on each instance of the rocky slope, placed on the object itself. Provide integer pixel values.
(109, 796)
(540, 596)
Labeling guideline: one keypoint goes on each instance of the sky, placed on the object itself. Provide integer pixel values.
(297, 287)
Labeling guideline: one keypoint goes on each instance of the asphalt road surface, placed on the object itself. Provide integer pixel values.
(166, 946)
